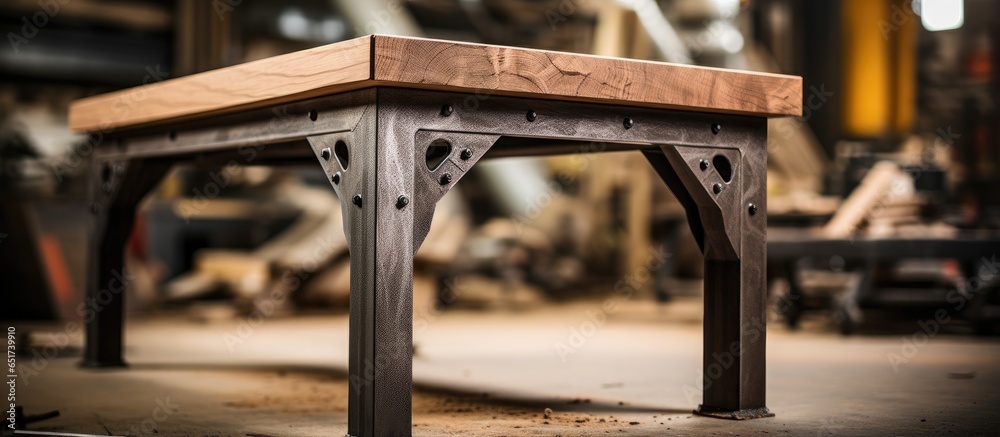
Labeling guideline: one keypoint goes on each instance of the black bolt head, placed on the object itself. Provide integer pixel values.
(445, 179)
(752, 209)
(716, 127)
(357, 200)
(402, 201)
(627, 123)
(446, 110)
(335, 178)
(313, 115)
(703, 164)
(325, 153)
(717, 188)
(466, 154)
(531, 115)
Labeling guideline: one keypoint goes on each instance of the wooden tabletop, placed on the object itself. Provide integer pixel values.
(380, 60)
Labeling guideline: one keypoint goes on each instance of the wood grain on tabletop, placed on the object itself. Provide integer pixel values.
(441, 65)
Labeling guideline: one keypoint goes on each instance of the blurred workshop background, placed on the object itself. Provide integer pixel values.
(883, 197)
(898, 139)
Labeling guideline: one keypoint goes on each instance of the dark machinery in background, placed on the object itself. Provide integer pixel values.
(895, 93)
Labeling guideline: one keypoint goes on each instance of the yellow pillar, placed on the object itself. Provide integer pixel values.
(879, 67)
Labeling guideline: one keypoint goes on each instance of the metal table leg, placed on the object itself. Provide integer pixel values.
(117, 186)
(723, 191)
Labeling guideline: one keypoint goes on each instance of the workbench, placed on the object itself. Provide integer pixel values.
(396, 122)
(974, 251)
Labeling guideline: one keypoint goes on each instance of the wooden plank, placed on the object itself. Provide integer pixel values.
(441, 65)
(877, 189)
(446, 65)
(281, 79)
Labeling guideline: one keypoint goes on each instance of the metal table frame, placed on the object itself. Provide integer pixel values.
(372, 144)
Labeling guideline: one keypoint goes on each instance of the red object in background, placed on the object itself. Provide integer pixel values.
(950, 269)
(60, 282)
(979, 61)
(136, 246)
(978, 65)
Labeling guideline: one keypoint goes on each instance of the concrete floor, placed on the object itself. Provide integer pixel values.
(495, 373)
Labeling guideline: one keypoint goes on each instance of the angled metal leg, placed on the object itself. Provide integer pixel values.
(380, 239)
(724, 193)
(116, 189)
(389, 192)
